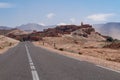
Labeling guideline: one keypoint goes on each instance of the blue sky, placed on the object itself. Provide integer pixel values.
(50, 12)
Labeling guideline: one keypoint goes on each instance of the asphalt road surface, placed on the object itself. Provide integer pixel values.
(28, 62)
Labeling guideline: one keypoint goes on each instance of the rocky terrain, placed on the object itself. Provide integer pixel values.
(59, 30)
(83, 41)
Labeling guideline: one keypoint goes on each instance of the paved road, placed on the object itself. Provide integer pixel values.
(27, 62)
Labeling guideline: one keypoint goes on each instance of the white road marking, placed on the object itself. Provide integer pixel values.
(108, 68)
(35, 75)
(31, 64)
(33, 69)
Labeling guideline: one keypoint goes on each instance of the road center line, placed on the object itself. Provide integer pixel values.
(32, 67)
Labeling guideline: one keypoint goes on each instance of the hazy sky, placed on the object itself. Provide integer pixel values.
(51, 12)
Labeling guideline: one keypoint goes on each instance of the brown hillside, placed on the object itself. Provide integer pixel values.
(6, 42)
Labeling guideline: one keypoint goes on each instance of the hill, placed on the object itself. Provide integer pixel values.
(84, 35)
(14, 31)
(17, 32)
(6, 42)
(109, 29)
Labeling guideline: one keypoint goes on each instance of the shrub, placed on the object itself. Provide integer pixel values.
(61, 49)
(109, 39)
(109, 59)
(1, 47)
(55, 47)
(80, 53)
(10, 44)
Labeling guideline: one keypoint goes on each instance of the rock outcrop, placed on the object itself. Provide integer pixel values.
(88, 33)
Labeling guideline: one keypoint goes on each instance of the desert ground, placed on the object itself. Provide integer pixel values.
(91, 51)
(6, 43)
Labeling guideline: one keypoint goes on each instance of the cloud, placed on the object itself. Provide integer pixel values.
(100, 17)
(62, 23)
(5, 5)
(72, 20)
(50, 15)
(41, 24)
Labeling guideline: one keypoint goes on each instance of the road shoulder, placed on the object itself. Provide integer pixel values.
(94, 60)
(2, 51)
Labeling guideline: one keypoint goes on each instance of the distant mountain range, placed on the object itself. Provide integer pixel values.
(5, 28)
(109, 29)
(31, 27)
(28, 27)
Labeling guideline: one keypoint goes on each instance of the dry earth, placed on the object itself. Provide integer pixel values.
(6, 43)
(89, 51)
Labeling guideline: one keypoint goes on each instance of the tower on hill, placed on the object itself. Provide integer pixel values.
(81, 23)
